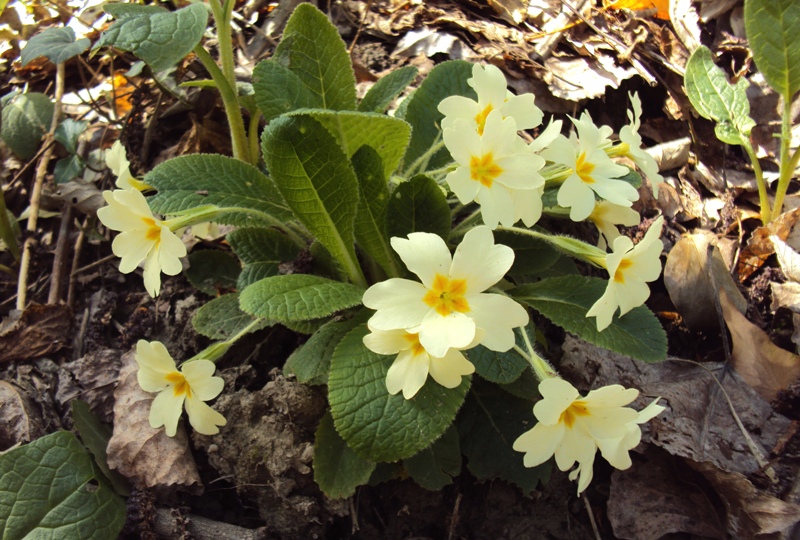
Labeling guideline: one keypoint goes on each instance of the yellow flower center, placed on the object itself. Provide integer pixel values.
(416, 347)
(619, 275)
(180, 385)
(578, 408)
(584, 169)
(484, 170)
(153, 229)
(447, 295)
(480, 118)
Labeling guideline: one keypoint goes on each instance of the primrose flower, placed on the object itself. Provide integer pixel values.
(143, 237)
(413, 364)
(573, 427)
(632, 145)
(493, 95)
(117, 161)
(591, 171)
(449, 308)
(490, 166)
(191, 386)
(630, 268)
(607, 215)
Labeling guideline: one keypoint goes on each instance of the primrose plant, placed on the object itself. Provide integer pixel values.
(426, 263)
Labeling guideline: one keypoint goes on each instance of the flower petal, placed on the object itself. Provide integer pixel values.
(437, 333)
(398, 303)
(540, 443)
(480, 261)
(198, 375)
(449, 369)
(498, 315)
(166, 411)
(557, 395)
(424, 254)
(203, 418)
(387, 341)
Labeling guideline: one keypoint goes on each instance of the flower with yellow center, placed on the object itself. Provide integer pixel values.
(117, 161)
(143, 237)
(573, 427)
(413, 363)
(191, 386)
(492, 168)
(591, 171)
(449, 308)
(632, 145)
(606, 216)
(630, 269)
(489, 84)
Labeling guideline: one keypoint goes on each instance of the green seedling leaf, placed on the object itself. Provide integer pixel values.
(499, 367)
(446, 79)
(262, 251)
(418, 205)
(95, 436)
(312, 49)
(565, 301)
(187, 182)
(488, 426)
(436, 466)
(772, 30)
(279, 90)
(717, 99)
(221, 318)
(317, 181)
(370, 224)
(213, 271)
(160, 38)
(383, 92)
(26, 118)
(68, 168)
(337, 469)
(68, 132)
(298, 297)
(531, 255)
(376, 424)
(49, 489)
(311, 362)
(57, 44)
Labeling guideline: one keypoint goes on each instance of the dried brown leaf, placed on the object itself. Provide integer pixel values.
(91, 378)
(19, 420)
(575, 79)
(146, 456)
(760, 247)
(40, 330)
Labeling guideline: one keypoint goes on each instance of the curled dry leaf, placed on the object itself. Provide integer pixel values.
(146, 456)
(38, 331)
(20, 422)
(760, 247)
(91, 378)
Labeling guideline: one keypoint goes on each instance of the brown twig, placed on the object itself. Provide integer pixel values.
(592, 521)
(451, 532)
(168, 525)
(60, 258)
(76, 258)
(360, 27)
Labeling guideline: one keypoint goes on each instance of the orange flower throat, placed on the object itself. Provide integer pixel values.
(484, 169)
(578, 408)
(447, 295)
(180, 385)
(619, 275)
(584, 169)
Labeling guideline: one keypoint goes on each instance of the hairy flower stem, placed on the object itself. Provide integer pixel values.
(215, 351)
(788, 164)
(570, 246)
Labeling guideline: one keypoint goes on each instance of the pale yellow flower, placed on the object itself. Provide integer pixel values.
(632, 145)
(117, 161)
(606, 216)
(191, 386)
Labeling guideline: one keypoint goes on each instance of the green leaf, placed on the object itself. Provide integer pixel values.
(67, 133)
(531, 255)
(418, 205)
(49, 489)
(187, 182)
(436, 466)
(312, 49)
(120, 10)
(499, 367)
(317, 181)
(212, 271)
(386, 135)
(262, 251)
(298, 297)
(377, 425)
(95, 436)
(565, 301)
(221, 318)
(279, 90)
(311, 362)
(772, 30)
(380, 96)
(161, 39)
(68, 168)
(26, 118)
(446, 79)
(525, 387)
(370, 224)
(717, 99)
(488, 425)
(57, 44)
(337, 469)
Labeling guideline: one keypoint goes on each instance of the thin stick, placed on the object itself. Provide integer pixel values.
(360, 27)
(591, 516)
(60, 259)
(454, 519)
(76, 259)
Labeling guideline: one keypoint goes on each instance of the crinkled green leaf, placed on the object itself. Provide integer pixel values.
(388, 87)
(436, 466)
(531, 255)
(337, 469)
(317, 181)
(120, 10)
(262, 251)
(57, 44)
(67, 133)
(26, 118)
(717, 99)
(376, 424)
(161, 39)
(773, 31)
(499, 367)
(213, 271)
(68, 168)
(565, 301)
(279, 90)
(446, 79)
(221, 318)
(186, 182)
(298, 297)
(418, 205)
(488, 425)
(312, 49)
(49, 489)
(95, 436)
(525, 387)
